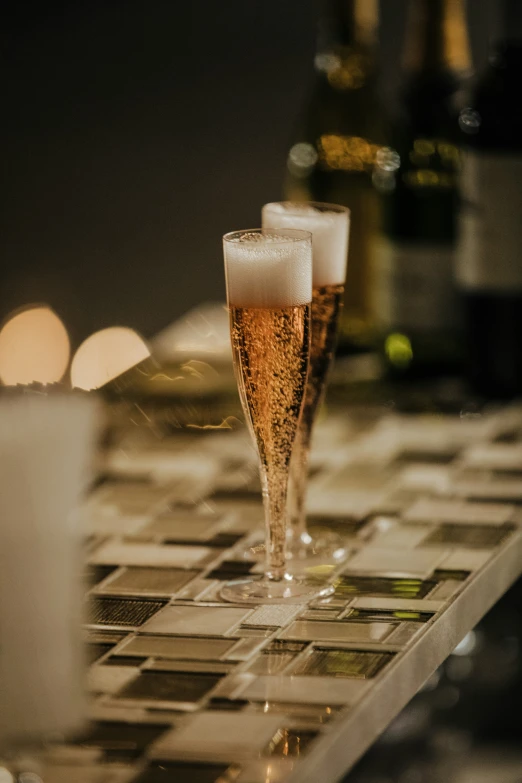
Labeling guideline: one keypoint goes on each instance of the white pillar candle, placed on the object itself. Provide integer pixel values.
(45, 449)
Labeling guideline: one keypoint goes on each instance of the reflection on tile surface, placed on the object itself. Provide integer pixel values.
(177, 648)
(169, 686)
(122, 611)
(291, 742)
(348, 586)
(315, 630)
(154, 581)
(342, 663)
(307, 690)
(197, 620)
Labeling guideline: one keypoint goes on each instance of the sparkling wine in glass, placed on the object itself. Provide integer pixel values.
(269, 291)
(329, 225)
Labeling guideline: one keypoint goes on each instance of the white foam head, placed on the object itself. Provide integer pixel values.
(268, 268)
(329, 225)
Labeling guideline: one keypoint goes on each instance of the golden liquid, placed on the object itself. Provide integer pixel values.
(271, 351)
(326, 307)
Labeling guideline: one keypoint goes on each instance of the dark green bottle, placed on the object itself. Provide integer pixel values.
(489, 260)
(333, 152)
(415, 297)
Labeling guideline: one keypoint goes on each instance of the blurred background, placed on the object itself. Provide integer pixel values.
(135, 134)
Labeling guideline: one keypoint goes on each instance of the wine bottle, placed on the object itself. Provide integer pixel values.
(334, 151)
(489, 261)
(417, 177)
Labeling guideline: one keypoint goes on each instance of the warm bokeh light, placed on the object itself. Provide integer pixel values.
(34, 346)
(105, 355)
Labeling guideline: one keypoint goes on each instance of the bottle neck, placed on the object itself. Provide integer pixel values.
(348, 24)
(437, 38)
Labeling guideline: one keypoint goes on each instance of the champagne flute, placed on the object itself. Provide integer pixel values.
(329, 225)
(269, 290)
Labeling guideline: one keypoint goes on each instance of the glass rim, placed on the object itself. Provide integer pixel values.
(287, 235)
(321, 206)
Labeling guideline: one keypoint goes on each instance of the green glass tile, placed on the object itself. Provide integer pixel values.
(324, 662)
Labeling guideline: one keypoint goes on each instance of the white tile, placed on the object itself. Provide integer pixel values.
(195, 620)
(155, 555)
(231, 736)
(459, 511)
(306, 690)
(418, 563)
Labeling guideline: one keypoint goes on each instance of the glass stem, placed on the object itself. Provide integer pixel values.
(297, 489)
(274, 484)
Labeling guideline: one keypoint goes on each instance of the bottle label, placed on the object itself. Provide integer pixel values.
(489, 254)
(414, 286)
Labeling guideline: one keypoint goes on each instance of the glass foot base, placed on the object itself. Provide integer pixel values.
(320, 547)
(290, 590)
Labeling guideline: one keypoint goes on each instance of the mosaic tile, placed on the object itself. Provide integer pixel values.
(151, 555)
(405, 633)
(342, 663)
(271, 663)
(182, 527)
(387, 615)
(315, 630)
(150, 581)
(196, 649)
(398, 604)
(273, 615)
(466, 559)
(417, 563)
(348, 586)
(179, 687)
(196, 620)
(429, 499)
(215, 735)
(302, 714)
(459, 512)
(206, 667)
(109, 679)
(244, 648)
(122, 741)
(96, 574)
(329, 690)
(469, 536)
(124, 612)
